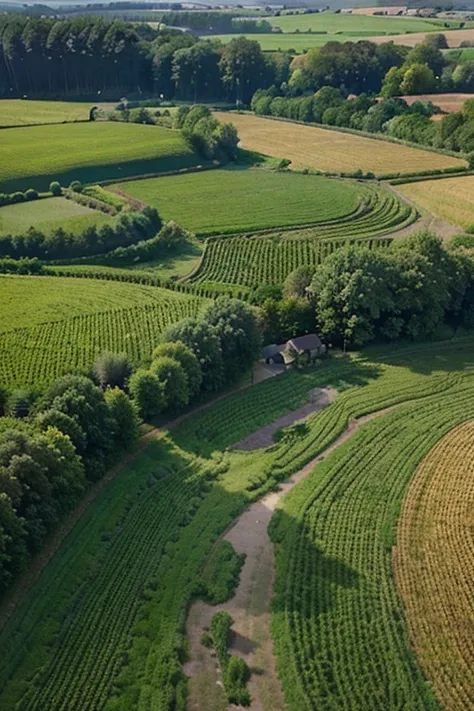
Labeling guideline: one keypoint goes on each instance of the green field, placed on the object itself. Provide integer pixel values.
(287, 42)
(51, 325)
(130, 565)
(465, 54)
(89, 152)
(268, 259)
(18, 112)
(357, 24)
(242, 200)
(49, 214)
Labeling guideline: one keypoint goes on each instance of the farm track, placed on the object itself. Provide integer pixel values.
(251, 604)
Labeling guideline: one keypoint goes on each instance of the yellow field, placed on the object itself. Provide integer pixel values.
(453, 37)
(450, 199)
(434, 566)
(331, 151)
(446, 102)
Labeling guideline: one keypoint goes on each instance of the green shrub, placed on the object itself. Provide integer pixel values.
(55, 188)
(31, 194)
(76, 186)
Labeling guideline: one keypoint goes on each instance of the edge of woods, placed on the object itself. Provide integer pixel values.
(208, 486)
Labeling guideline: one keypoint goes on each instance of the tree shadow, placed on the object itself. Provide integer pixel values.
(428, 357)
(239, 643)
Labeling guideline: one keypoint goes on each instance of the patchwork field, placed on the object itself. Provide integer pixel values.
(242, 200)
(129, 568)
(52, 325)
(89, 152)
(435, 569)
(49, 214)
(333, 151)
(465, 54)
(268, 259)
(450, 199)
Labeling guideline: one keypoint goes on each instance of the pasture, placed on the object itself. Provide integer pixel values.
(449, 199)
(287, 42)
(244, 200)
(21, 112)
(48, 214)
(52, 325)
(356, 25)
(434, 567)
(334, 151)
(90, 152)
(130, 566)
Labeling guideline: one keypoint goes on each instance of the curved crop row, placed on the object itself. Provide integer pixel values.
(337, 620)
(434, 566)
(250, 261)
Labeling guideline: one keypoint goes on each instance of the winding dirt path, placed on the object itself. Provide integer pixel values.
(427, 221)
(250, 606)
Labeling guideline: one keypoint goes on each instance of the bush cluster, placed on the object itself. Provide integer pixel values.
(206, 135)
(14, 198)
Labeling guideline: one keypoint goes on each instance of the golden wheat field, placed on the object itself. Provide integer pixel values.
(434, 566)
(453, 38)
(449, 199)
(331, 151)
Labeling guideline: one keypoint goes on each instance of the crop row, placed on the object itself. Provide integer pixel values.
(434, 566)
(36, 355)
(268, 259)
(338, 620)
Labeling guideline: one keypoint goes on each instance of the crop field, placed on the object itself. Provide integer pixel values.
(464, 54)
(453, 37)
(49, 214)
(129, 567)
(89, 152)
(450, 199)
(332, 151)
(242, 200)
(268, 259)
(446, 102)
(51, 325)
(356, 25)
(337, 615)
(434, 566)
(287, 42)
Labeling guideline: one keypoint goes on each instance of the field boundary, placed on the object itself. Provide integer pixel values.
(163, 174)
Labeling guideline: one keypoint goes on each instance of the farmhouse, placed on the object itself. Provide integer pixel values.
(310, 345)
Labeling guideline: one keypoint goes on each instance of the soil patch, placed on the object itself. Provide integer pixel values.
(318, 399)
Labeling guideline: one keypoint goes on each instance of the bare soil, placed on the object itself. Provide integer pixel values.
(318, 399)
(250, 606)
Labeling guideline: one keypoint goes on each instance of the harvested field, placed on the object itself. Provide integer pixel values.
(454, 38)
(449, 199)
(323, 149)
(446, 102)
(434, 566)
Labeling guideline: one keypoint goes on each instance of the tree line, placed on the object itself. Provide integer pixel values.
(54, 444)
(89, 56)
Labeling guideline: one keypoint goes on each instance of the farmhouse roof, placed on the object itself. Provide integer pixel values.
(270, 350)
(305, 343)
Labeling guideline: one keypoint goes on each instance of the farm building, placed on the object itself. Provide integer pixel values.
(272, 355)
(310, 345)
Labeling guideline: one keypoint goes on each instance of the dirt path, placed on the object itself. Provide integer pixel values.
(250, 606)
(318, 399)
(428, 221)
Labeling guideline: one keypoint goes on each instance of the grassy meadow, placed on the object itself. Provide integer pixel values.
(355, 25)
(48, 214)
(89, 152)
(449, 199)
(52, 325)
(242, 200)
(334, 151)
(21, 112)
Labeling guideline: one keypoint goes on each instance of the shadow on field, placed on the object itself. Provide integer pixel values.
(449, 356)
